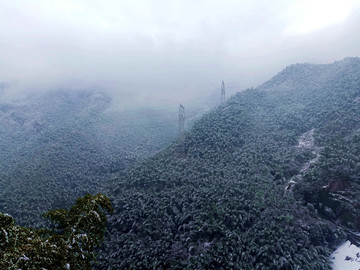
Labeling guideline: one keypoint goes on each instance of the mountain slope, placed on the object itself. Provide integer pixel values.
(59, 145)
(225, 194)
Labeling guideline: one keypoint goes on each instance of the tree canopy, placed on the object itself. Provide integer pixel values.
(69, 244)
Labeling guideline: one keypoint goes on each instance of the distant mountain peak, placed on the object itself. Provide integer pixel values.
(311, 72)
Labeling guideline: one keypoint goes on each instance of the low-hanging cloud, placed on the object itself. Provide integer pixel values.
(168, 50)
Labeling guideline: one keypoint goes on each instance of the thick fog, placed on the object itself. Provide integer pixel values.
(167, 51)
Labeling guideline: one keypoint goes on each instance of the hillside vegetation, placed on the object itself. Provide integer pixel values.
(245, 188)
(69, 244)
(57, 146)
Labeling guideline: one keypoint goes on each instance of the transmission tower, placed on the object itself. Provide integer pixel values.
(181, 119)
(222, 92)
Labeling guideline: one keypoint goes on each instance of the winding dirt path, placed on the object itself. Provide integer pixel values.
(305, 143)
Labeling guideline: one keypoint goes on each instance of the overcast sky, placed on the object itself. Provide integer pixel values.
(171, 50)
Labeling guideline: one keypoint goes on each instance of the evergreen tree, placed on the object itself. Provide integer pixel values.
(69, 245)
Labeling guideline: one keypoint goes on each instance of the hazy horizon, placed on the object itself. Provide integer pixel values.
(167, 51)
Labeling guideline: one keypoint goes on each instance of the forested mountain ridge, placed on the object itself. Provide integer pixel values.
(240, 190)
(58, 145)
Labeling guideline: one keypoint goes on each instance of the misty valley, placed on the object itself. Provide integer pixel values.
(267, 179)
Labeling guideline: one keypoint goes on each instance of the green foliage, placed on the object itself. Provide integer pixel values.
(69, 246)
(66, 144)
(217, 200)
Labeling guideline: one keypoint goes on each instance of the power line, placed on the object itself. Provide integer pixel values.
(222, 92)
(181, 119)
